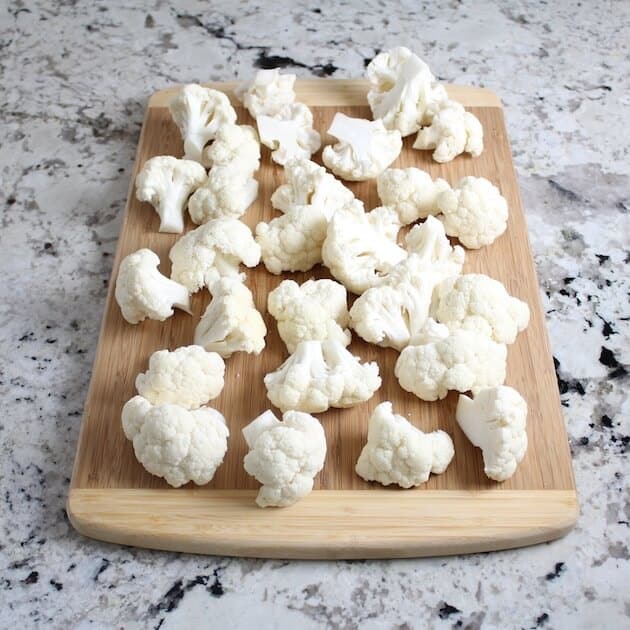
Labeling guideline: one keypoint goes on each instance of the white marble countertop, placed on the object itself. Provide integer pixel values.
(75, 78)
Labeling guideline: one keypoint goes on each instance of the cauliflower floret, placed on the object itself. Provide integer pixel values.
(360, 248)
(397, 452)
(226, 194)
(142, 291)
(364, 148)
(166, 183)
(284, 456)
(463, 361)
(200, 112)
(174, 443)
(235, 145)
(474, 211)
(289, 134)
(495, 421)
(411, 192)
(213, 251)
(267, 93)
(231, 322)
(188, 377)
(481, 304)
(316, 311)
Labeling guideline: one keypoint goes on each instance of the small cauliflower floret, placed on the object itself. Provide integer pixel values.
(188, 377)
(142, 291)
(495, 421)
(166, 183)
(360, 248)
(364, 148)
(213, 251)
(226, 194)
(474, 211)
(267, 93)
(200, 112)
(235, 145)
(175, 443)
(289, 134)
(397, 452)
(463, 361)
(411, 192)
(481, 304)
(231, 322)
(284, 456)
(309, 184)
(315, 311)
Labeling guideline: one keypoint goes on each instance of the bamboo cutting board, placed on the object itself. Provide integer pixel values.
(113, 498)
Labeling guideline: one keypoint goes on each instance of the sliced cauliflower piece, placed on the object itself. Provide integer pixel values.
(495, 421)
(481, 304)
(189, 377)
(463, 361)
(142, 291)
(213, 251)
(175, 443)
(234, 145)
(397, 452)
(364, 148)
(474, 211)
(200, 112)
(267, 93)
(231, 322)
(166, 183)
(284, 456)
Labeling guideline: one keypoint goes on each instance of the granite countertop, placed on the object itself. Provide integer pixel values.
(75, 77)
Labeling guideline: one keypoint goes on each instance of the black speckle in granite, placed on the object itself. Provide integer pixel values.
(584, 441)
(316, 10)
(102, 567)
(607, 328)
(559, 566)
(602, 258)
(58, 586)
(570, 385)
(31, 578)
(605, 421)
(170, 600)
(446, 610)
(18, 564)
(565, 192)
(11, 200)
(216, 588)
(149, 22)
(541, 620)
(607, 358)
(269, 62)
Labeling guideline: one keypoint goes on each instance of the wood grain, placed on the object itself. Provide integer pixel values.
(105, 463)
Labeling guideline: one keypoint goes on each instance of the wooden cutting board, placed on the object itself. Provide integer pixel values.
(113, 498)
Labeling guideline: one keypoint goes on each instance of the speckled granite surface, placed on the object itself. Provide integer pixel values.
(75, 77)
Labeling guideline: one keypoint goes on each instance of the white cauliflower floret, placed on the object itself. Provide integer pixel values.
(234, 145)
(213, 251)
(174, 443)
(397, 452)
(284, 456)
(474, 211)
(267, 93)
(464, 361)
(289, 134)
(226, 194)
(309, 312)
(495, 421)
(188, 377)
(142, 291)
(166, 183)
(200, 112)
(364, 148)
(411, 192)
(481, 304)
(231, 322)
(360, 248)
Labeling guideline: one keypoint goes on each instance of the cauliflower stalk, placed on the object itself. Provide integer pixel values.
(235, 145)
(267, 93)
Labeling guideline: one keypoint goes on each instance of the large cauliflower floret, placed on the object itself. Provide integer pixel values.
(360, 248)
(364, 148)
(231, 322)
(188, 377)
(174, 443)
(199, 113)
(309, 184)
(474, 211)
(284, 456)
(142, 291)
(166, 183)
(411, 192)
(309, 312)
(397, 452)
(267, 93)
(213, 251)
(464, 361)
(495, 421)
(235, 145)
(478, 303)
